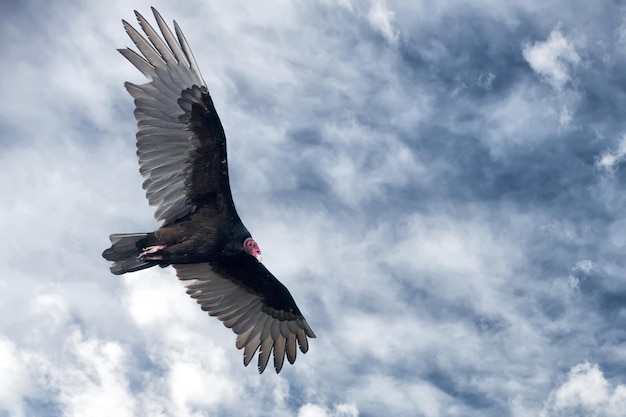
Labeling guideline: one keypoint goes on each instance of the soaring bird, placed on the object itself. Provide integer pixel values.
(181, 147)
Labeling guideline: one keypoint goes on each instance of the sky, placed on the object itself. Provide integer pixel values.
(440, 185)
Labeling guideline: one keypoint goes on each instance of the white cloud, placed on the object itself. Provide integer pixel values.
(89, 376)
(15, 384)
(365, 172)
(526, 115)
(340, 410)
(586, 392)
(97, 385)
(609, 160)
(194, 386)
(156, 299)
(381, 18)
(414, 397)
(553, 59)
(585, 267)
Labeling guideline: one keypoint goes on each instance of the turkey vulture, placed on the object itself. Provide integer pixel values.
(182, 157)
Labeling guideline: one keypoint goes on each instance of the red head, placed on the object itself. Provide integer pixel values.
(251, 248)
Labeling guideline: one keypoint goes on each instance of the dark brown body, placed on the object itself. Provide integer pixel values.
(198, 237)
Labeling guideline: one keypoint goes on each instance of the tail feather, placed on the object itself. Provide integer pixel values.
(124, 251)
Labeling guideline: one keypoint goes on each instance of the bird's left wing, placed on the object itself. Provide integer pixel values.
(181, 143)
(247, 298)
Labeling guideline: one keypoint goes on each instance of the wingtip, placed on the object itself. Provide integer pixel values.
(156, 13)
(142, 20)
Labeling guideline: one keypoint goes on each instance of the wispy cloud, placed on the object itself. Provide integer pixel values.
(609, 160)
(381, 18)
(553, 59)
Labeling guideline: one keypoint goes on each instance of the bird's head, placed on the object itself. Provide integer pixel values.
(251, 248)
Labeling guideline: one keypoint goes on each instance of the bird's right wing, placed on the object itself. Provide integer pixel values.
(180, 140)
(247, 298)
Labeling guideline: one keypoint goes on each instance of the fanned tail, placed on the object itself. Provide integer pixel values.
(124, 251)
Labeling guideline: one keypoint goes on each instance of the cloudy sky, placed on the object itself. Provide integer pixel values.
(441, 185)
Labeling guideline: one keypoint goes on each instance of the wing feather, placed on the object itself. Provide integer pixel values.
(291, 348)
(139, 62)
(187, 50)
(265, 352)
(165, 173)
(151, 95)
(229, 312)
(302, 341)
(147, 50)
(260, 322)
(250, 349)
(279, 353)
(155, 39)
(243, 337)
(162, 196)
(245, 323)
(163, 143)
(154, 112)
(171, 41)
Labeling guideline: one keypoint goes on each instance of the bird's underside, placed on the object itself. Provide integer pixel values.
(181, 147)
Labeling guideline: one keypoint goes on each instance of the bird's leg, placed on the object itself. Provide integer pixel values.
(151, 253)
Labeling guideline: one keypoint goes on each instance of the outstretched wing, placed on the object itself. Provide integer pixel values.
(244, 295)
(180, 140)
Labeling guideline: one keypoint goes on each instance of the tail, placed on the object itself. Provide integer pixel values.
(124, 251)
